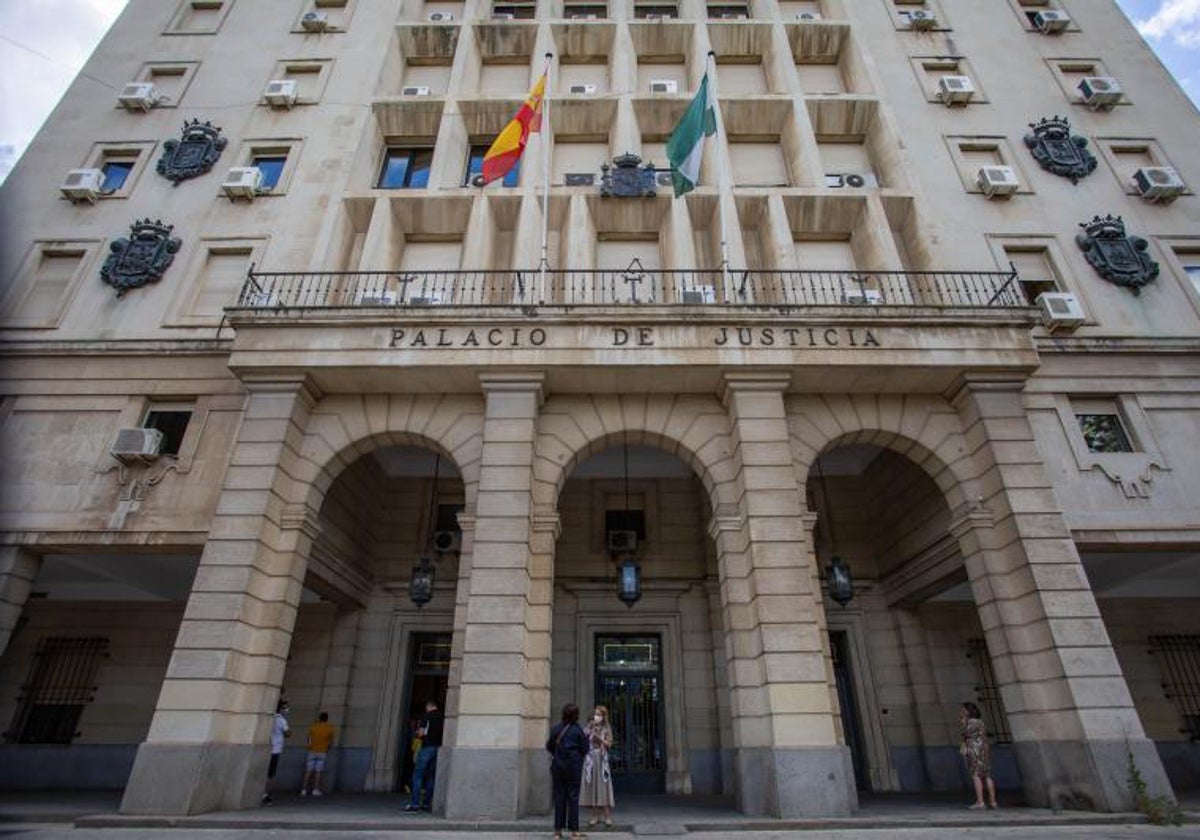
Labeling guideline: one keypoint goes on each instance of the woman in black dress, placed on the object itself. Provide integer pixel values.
(569, 746)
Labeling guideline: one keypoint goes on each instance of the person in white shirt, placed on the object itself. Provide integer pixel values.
(279, 731)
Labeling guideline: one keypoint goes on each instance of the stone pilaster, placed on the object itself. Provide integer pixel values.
(18, 569)
(504, 683)
(335, 690)
(789, 761)
(940, 761)
(207, 748)
(1070, 711)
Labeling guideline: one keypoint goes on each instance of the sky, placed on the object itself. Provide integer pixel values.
(44, 44)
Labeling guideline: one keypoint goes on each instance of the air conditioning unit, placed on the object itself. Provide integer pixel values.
(1099, 91)
(851, 180)
(315, 21)
(579, 179)
(503, 16)
(952, 89)
(734, 16)
(1060, 311)
(581, 89)
(138, 96)
(262, 300)
(658, 16)
(622, 541)
(441, 17)
(862, 297)
(242, 182)
(280, 93)
(428, 299)
(698, 294)
(808, 16)
(663, 178)
(446, 541)
(583, 17)
(1158, 183)
(137, 445)
(415, 90)
(1051, 21)
(664, 86)
(83, 185)
(997, 180)
(375, 297)
(921, 19)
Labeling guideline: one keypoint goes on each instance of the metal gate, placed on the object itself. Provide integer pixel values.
(629, 683)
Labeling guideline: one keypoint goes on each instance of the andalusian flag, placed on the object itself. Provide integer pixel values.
(506, 149)
(686, 145)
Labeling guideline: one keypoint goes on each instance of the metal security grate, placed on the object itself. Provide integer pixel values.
(61, 682)
(1179, 658)
(987, 692)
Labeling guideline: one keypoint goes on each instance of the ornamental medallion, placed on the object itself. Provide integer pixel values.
(142, 258)
(1057, 150)
(193, 154)
(628, 177)
(1118, 258)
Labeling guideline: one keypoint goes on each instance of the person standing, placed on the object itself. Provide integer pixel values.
(320, 738)
(976, 752)
(596, 790)
(279, 732)
(569, 746)
(425, 769)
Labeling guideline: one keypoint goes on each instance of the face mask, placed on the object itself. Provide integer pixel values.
(598, 719)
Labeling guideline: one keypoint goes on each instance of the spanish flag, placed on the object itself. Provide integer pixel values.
(506, 149)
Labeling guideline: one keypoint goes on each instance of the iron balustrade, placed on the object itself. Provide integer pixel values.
(267, 291)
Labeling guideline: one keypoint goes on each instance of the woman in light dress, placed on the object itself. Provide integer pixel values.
(596, 791)
(976, 752)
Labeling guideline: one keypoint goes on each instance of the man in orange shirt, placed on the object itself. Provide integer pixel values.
(320, 737)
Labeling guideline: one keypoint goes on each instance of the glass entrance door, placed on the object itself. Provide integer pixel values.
(629, 683)
(428, 676)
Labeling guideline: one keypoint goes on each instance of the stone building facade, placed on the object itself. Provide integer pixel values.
(837, 345)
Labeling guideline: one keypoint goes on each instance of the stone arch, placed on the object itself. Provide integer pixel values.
(341, 429)
(924, 428)
(694, 428)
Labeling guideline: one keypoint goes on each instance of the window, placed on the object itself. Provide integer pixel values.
(271, 167)
(645, 11)
(310, 75)
(61, 682)
(215, 277)
(1179, 658)
(116, 173)
(1103, 433)
(1036, 272)
(514, 11)
(987, 692)
(585, 11)
(1192, 270)
(198, 17)
(172, 423)
(405, 168)
(475, 167)
(170, 79)
(736, 11)
(47, 279)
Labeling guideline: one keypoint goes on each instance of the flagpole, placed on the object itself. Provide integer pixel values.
(545, 261)
(710, 66)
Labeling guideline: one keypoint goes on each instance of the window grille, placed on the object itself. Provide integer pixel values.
(1179, 658)
(61, 682)
(987, 692)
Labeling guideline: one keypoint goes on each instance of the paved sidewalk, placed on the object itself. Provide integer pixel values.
(360, 815)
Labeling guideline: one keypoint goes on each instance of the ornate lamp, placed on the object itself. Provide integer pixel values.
(420, 586)
(629, 570)
(837, 573)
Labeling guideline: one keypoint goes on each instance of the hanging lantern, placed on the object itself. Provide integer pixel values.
(629, 581)
(841, 584)
(420, 588)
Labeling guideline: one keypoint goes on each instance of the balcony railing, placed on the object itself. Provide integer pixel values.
(281, 291)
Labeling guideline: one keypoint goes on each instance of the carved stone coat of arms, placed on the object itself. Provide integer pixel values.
(194, 153)
(1116, 256)
(141, 258)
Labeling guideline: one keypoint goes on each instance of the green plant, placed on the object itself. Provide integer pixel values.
(1159, 810)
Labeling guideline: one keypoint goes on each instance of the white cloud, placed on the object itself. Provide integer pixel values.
(1179, 19)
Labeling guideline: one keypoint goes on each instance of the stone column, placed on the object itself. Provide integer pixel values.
(789, 761)
(18, 569)
(1070, 711)
(207, 748)
(939, 755)
(496, 755)
(335, 690)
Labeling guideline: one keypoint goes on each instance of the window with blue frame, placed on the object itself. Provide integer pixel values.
(405, 168)
(271, 167)
(116, 173)
(475, 168)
